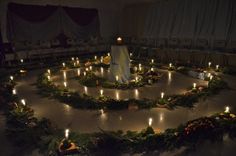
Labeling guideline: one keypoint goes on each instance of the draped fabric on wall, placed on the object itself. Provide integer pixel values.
(34, 23)
(183, 19)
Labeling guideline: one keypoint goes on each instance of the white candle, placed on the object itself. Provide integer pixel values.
(67, 131)
(21, 60)
(23, 102)
(77, 62)
(170, 65)
(227, 110)
(90, 67)
(65, 84)
(95, 57)
(152, 60)
(194, 85)
(63, 64)
(72, 58)
(49, 71)
(162, 95)
(49, 78)
(130, 54)
(85, 90)
(150, 120)
(78, 71)
(117, 78)
(211, 77)
(14, 91)
(11, 78)
(117, 95)
(101, 92)
(209, 64)
(136, 93)
(152, 69)
(217, 67)
(84, 73)
(136, 78)
(108, 54)
(102, 70)
(64, 74)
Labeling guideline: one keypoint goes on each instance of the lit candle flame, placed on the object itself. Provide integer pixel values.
(14, 91)
(217, 67)
(194, 85)
(63, 64)
(85, 90)
(162, 95)
(67, 131)
(170, 65)
(101, 92)
(23, 102)
(227, 109)
(49, 71)
(152, 60)
(117, 78)
(209, 64)
(150, 120)
(11, 78)
(65, 84)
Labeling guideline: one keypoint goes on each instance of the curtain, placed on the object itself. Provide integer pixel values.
(192, 19)
(35, 23)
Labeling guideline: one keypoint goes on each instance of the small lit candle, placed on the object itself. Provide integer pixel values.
(152, 61)
(102, 70)
(217, 67)
(67, 131)
(136, 78)
(49, 71)
(63, 64)
(152, 69)
(77, 62)
(102, 111)
(194, 85)
(130, 54)
(21, 60)
(117, 95)
(170, 65)
(139, 65)
(84, 73)
(119, 40)
(72, 58)
(136, 92)
(209, 64)
(117, 78)
(150, 120)
(101, 59)
(78, 71)
(86, 69)
(49, 77)
(95, 57)
(74, 64)
(90, 67)
(108, 54)
(162, 95)
(211, 77)
(65, 84)
(85, 90)
(11, 78)
(23, 102)
(14, 91)
(209, 74)
(64, 74)
(77, 58)
(227, 109)
(101, 92)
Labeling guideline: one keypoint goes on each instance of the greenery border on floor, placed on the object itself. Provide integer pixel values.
(48, 88)
(34, 133)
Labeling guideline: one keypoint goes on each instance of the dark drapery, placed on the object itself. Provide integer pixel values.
(36, 23)
(32, 13)
(80, 15)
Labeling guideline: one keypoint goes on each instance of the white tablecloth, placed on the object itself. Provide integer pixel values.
(120, 63)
